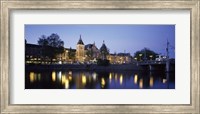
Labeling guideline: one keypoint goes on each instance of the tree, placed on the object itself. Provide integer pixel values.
(52, 46)
(145, 54)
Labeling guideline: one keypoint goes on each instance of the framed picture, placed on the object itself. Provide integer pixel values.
(100, 56)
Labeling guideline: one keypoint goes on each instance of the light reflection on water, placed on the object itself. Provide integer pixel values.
(98, 80)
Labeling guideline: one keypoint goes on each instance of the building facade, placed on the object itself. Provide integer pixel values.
(82, 54)
(80, 51)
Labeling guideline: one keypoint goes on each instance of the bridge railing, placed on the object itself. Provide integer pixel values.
(151, 62)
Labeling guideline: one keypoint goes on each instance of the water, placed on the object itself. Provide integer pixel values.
(52, 79)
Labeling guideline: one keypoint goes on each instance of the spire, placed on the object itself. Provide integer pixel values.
(80, 41)
(103, 47)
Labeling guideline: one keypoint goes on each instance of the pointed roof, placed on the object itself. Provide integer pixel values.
(103, 47)
(80, 41)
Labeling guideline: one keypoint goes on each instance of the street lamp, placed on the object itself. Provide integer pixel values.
(140, 57)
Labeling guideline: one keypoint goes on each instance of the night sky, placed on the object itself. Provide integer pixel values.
(118, 38)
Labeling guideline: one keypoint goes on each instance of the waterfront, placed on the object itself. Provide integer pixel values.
(83, 79)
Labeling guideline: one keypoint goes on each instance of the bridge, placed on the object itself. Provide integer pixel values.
(157, 65)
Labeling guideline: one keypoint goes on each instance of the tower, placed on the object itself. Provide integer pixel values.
(104, 51)
(80, 47)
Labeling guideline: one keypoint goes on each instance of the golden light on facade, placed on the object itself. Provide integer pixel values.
(103, 82)
(53, 76)
(121, 79)
(141, 83)
(135, 78)
(32, 77)
(151, 81)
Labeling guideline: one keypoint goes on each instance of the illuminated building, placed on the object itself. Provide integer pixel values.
(35, 54)
(80, 51)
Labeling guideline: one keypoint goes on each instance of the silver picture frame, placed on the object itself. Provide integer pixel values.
(7, 6)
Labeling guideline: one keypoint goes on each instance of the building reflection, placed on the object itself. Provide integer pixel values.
(103, 82)
(110, 77)
(141, 83)
(121, 79)
(94, 75)
(32, 77)
(53, 76)
(82, 80)
(135, 79)
(151, 81)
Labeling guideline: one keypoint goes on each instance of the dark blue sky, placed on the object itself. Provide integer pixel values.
(118, 38)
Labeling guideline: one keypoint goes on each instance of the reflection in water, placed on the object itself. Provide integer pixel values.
(121, 79)
(70, 78)
(66, 84)
(32, 77)
(94, 75)
(164, 80)
(63, 79)
(53, 75)
(97, 80)
(70, 72)
(84, 79)
(103, 83)
(141, 83)
(151, 81)
(115, 76)
(110, 77)
(59, 75)
(39, 76)
(135, 78)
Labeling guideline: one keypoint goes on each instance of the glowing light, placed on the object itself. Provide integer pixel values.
(39, 76)
(151, 81)
(53, 76)
(103, 82)
(59, 75)
(32, 78)
(121, 79)
(135, 78)
(66, 83)
(70, 72)
(94, 75)
(164, 80)
(110, 77)
(63, 79)
(141, 83)
(115, 77)
(70, 78)
(84, 79)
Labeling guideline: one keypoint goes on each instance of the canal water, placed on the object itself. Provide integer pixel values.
(57, 79)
